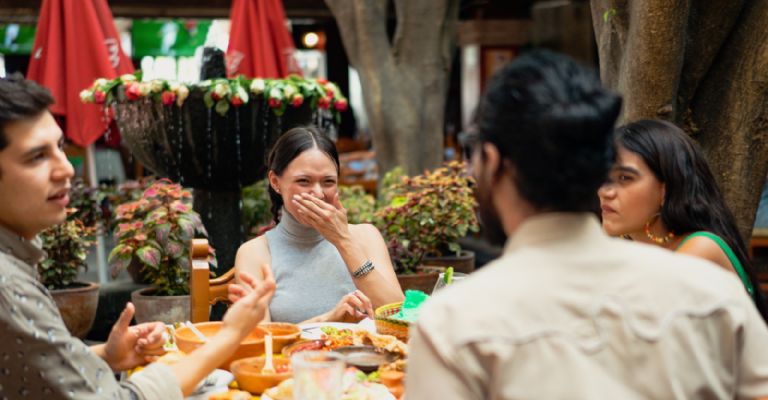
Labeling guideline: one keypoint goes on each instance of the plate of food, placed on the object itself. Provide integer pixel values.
(313, 330)
(355, 385)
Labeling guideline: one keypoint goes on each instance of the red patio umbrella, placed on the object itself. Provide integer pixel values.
(259, 42)
(76, 42)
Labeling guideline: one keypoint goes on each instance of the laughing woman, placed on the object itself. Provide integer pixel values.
(661, 191)
(325, 269)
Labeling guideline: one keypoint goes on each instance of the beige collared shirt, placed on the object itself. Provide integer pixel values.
(39, 359)
(569, 313)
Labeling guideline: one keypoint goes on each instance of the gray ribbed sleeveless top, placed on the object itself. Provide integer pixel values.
(310, 274)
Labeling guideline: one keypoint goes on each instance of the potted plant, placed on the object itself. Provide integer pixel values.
(66, 245)
(425, 217)
(154, 232)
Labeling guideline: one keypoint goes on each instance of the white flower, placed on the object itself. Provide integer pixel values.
(156, 86)
(174, 87)
(242, 94)
(221, 90)
(257, 86)
(86, 96)
(276, 93)
(100, 82)
(144, 89)
(181, 94)
(127, 78)
(289, 91)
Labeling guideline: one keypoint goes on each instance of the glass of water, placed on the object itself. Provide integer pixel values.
(317, 375)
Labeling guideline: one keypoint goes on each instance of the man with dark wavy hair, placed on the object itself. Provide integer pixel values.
(567, 312)
(39, 359)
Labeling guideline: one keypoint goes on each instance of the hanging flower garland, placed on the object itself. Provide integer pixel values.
(221, 93)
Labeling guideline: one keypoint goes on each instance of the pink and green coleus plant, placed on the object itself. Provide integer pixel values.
(155, 231)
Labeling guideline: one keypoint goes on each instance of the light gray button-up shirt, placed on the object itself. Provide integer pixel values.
(39, 359)
(569, 313)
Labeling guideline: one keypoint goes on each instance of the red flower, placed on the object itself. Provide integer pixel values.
(132, 91)
(297, 100)
(341, 105)
(324, 102)
(329, 92)
(99, 97)
(168, 97)
(275, 103)
(215, 96)
(322, 81)
(236, 101)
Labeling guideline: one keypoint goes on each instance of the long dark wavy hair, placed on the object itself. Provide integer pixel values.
(289, 146)
(693, 202)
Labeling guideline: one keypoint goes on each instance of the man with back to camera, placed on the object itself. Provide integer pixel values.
(40, 359)
(566, 311)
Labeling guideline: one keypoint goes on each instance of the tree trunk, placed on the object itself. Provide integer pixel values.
(404, 82)
(702, 66)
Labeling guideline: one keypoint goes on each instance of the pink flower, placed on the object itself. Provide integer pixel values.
(297, 100)
(132, 91)
(323, 102)
(275, 103)
(99, 97)
(341, 105)
(236, 101)
(168, 97)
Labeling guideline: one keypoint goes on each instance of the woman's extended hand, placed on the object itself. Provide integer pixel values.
(243, 316)
(353, 307)
(330, 219)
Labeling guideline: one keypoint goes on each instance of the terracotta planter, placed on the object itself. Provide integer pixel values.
(464, 262)
(167, 309)
(424, 279)
(77, 305)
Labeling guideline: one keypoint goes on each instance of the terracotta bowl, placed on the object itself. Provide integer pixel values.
(251, 346)
(249, 377)
(283, 334)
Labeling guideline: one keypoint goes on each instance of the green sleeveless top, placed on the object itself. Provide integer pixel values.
(731, 257)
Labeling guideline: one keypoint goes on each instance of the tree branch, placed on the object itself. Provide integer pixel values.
(708, 28)
(610, 20)
(362, 24)
(653, 58)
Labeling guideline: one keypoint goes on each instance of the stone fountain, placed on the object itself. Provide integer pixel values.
(214, 154)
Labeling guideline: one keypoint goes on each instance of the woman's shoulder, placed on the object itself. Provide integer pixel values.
(707, 246)
(255, 249)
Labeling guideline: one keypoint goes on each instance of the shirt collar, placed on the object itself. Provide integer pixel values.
(28, 251)
(555, 227)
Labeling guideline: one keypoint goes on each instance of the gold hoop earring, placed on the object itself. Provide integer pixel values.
(659, 240)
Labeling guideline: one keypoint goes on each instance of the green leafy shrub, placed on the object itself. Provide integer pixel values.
(427, 214)
(256, 212)
(360, 205)
(155, 231)
(66, 246)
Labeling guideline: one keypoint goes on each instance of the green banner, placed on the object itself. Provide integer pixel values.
(17, 38)
(168, 38)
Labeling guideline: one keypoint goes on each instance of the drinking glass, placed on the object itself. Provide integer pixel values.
(457, 276)
(317, 375)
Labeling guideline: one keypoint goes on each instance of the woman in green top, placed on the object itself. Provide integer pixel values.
(661, 191)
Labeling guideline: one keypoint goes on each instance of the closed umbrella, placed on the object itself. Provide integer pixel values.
(259, 42)
(76, 43)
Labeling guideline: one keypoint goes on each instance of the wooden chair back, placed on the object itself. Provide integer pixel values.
(204, 291)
